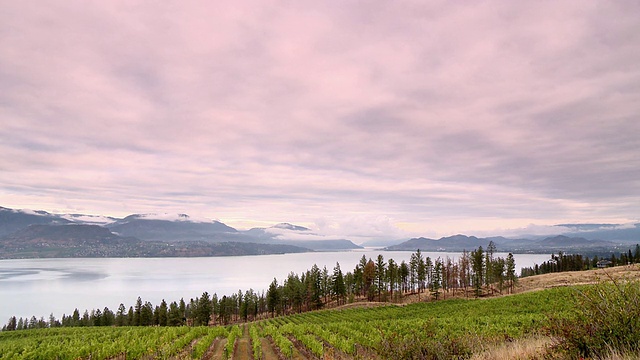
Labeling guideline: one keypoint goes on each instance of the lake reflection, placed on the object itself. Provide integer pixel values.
(43, 286)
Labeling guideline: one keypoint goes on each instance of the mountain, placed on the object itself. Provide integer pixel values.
(68, 240)
(463, 242)
(566, 242)
(288, 234)
(451, 243)
(287, 226)
(72, 240)
(628, 233)
(13, 220)
(151, 227)
(68, 234)
(380, 243)
(27, 234)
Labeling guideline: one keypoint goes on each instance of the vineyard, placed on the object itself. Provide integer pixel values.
(460, 327)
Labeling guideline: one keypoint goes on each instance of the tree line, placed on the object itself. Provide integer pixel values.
(474, 273)
(577, 262)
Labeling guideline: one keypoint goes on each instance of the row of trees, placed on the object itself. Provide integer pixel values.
(576, 262)
(472, 273)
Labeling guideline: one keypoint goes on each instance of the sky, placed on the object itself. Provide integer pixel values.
(370, 119)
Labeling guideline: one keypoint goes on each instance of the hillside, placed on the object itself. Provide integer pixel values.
(569, 278)
(549, 244)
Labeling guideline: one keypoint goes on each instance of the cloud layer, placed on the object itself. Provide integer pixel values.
(432, 117)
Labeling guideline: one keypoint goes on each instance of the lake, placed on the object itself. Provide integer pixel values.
(43, 286)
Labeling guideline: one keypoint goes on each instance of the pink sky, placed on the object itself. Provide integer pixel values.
(352, 118)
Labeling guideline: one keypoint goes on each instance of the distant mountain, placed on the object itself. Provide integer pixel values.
(68, 234)
(451, 243)
(288, 234)
(121, 237)
(629, 234)
(69, 240)
(382, 243)
(180, 228)
(566, 242)
(13, 220)
(61, 241)
(27, 233)
(463, 242)
(291, 227)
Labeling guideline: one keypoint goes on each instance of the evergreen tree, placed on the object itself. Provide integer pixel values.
(121, 316)
(477, 266)
(137, 315)
(96, 317)
(12, 324)
(146, 314)
(204, 310)
(313, 285)
(85, 321)
(380, 275)
(325, 283)
(511, 272)
(338, 285)
(174, 316)
(273, 297)
(163, 314)
(436, 279)
(369, 275)
(392, 276)
(131, 317)
(75, 318)
(404, 276)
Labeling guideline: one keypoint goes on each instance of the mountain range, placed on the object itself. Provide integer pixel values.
(503, 244)
(28, 233)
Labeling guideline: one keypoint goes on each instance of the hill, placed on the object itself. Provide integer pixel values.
(463, 242)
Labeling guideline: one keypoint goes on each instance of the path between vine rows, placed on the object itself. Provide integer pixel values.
(243, 346)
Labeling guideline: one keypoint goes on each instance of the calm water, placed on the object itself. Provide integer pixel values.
(43, 286)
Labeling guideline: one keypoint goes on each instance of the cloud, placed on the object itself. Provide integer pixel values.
(434, 115)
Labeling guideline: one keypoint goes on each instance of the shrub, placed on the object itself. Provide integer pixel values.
(607, 320)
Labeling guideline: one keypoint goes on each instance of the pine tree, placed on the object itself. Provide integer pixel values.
(478, 267)
(12, 324)
(121, 316)
(204, 310)
(380, 275)
(436, 279)
(137, 315)
(511, 272)
(273, 297)
(339, 288)
(163, 314)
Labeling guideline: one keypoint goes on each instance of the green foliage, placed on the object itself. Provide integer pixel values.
(606, 319)
(204, 343)
(231, 341)
(449, 328)
(414, 345)
(282, 343)
(444, 329)
(256, 344)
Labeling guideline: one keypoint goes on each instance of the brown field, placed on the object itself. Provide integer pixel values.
(568, 278)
